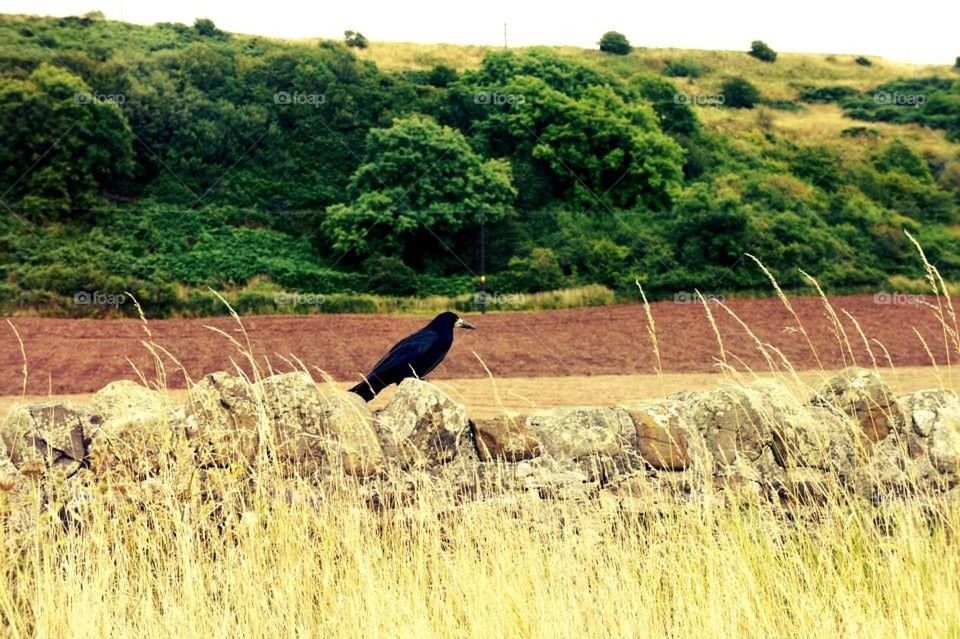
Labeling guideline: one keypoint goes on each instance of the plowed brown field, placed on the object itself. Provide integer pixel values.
(77, 356)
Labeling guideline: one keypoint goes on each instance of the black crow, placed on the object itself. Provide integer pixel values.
(415, 355)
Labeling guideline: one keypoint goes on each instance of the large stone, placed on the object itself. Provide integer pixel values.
(224, 418)
(810, 486)
(572, 433)
(505, 437)
(925, 408)
(125, 397)
(294, 408)
(945, 446)
(934, 428)
(864, 396)
(349, 423)
(140, 433)
(16, 504)
(138, 444)
(49, 436)
(816, 437)
(664, 439)
(891, 471)
(421, 425)
(734, 423)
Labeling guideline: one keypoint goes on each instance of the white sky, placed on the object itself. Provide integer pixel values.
(919, 31)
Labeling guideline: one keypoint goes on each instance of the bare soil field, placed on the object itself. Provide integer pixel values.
(79, 356)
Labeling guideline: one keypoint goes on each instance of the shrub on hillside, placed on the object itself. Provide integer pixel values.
(676, 116)
(826, 94)
(863, 61)
(682, 69)
(739, 93)
(355, 39)
(762, 51)
(615, 42)
(207, 29)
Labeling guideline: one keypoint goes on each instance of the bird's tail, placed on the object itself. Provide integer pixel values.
(365, 390)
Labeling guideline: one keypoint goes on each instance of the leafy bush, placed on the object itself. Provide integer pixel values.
(207, 29)
(355, 39)
(676, 116)
(826, 94)
(863, 61)
(739, 93)
(762, 51)
(932, 102)
(538, 271)
(682, 69)
(615, 42)
(390, 276)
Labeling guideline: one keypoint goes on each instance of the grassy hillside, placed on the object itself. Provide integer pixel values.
(167, 159)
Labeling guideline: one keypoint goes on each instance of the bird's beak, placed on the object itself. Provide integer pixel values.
(462, 323)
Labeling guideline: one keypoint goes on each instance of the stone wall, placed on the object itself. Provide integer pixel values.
(852, 436)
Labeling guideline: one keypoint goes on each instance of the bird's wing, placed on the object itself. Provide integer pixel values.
(398, 359)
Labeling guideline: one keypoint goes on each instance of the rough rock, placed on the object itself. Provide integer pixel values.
(734, 423)
(934, 421)
(505, 437)
(816, 437)
(223, 420)
(421, 425)
(124, 397)
(945, 446)
(572, 433)
(809, 486)
(294, 410)
(555, 479)
(138, 445)
(139, 434)
(48, 436)
(891, 471)
(664, 438)
(313, 431)
(349, 423)
(16, 513)
(864, 396)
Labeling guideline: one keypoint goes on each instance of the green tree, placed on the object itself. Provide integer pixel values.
(419, 179)
(676, 117)
(599, 149)
(63, 143)
(615, 42)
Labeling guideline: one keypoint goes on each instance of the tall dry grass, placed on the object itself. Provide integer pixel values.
(329, 567)
(290, 557)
